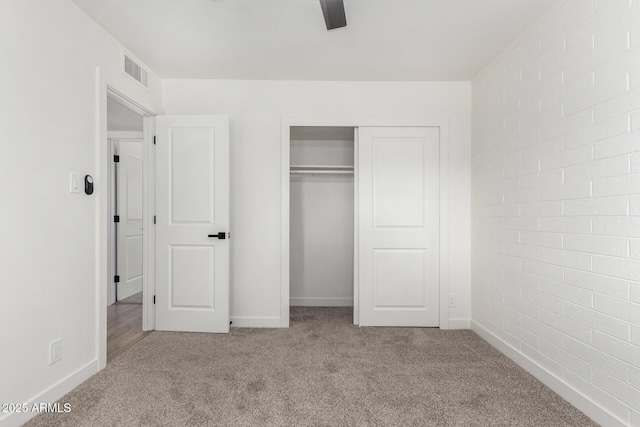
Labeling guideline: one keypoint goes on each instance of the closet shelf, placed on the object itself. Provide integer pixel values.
(301, 169)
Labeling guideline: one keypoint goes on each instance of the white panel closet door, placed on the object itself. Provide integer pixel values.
(398, 191)
(130, 213)
(192, 202)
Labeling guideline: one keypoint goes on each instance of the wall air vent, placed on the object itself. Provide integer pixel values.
(136, 71)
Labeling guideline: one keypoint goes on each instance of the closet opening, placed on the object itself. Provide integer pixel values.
(365, 220)
(321, 226)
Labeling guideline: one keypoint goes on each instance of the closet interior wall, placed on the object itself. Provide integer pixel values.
(321, 216)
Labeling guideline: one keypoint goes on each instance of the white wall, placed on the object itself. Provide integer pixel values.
(556, 205)
(50, 51)
(256, 110)
(321, 222)
(121, 118)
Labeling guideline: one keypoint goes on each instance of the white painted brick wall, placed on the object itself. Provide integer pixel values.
(556, 200)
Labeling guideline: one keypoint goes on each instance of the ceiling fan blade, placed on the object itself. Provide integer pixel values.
(333, 11)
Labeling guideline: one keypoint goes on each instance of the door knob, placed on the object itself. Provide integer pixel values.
(221, 235)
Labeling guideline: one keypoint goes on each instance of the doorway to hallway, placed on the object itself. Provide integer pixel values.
(126, 228)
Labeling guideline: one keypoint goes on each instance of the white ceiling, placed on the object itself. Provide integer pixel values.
(288, 40)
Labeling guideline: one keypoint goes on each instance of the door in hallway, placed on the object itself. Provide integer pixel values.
(129, 225)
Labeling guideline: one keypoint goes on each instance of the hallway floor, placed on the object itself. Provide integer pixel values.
(124, 325)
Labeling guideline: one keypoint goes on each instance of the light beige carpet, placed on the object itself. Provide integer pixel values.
(321, 371)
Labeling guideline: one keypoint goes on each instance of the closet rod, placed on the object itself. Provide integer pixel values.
(299, 169)
(334, 172)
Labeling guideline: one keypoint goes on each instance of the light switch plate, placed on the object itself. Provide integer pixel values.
(75, 182)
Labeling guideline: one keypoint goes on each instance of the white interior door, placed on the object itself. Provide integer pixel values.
(192, 207)
(398, 193)
(129, 228)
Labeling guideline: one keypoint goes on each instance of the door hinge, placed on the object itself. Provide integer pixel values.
(154, 219)
(154, 299)
(116, 218)
(154, 140)
(116, 158)
(116, 279)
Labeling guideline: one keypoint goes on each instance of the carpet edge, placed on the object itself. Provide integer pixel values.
(582, 402)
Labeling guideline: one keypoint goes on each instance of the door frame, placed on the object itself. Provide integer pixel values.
(103, 206)
(286, 125)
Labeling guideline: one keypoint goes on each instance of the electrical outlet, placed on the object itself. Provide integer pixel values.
(55, 351)
(452, 300)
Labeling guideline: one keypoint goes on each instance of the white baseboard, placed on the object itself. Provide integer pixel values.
(255, 322)
(51, 395)
(570, 394)
(320, 302)
(459, 323)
